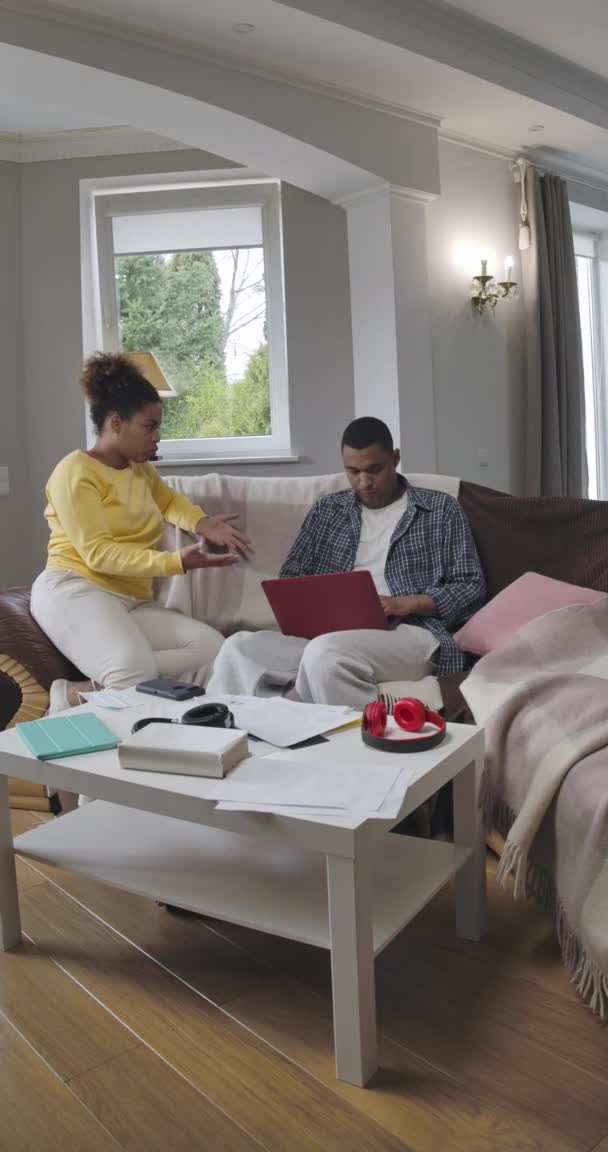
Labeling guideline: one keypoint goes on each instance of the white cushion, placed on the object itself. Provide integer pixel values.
(271, 512)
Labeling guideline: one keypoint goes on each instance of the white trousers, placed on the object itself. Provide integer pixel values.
(339, 668)
(116, 640)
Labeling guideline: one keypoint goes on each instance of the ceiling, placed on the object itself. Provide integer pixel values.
(315, 51)
(291, 38)
(30, 111)
(577, 31)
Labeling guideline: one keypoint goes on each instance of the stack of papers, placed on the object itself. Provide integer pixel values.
(284, 722)
(270, 783)
(346, 758)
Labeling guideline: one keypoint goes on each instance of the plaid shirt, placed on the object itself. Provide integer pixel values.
(431, 553)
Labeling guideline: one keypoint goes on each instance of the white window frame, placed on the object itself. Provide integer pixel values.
(103, 200)
(589, 246)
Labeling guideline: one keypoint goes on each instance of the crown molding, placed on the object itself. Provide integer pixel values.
(475, 145)
(412, 195)
(374, 192)
(22, 148)
(231, 62)
(347, 95)
(548, 159)
(568, 167)
(384, 191)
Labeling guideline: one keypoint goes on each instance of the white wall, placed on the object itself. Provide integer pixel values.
(478, 361)
(318, 317)
(15, 513)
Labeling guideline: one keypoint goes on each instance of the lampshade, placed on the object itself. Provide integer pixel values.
(148, 365)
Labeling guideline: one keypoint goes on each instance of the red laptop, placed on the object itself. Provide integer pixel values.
(310, 606)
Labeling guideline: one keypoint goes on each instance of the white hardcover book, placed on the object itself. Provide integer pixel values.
(185, 749)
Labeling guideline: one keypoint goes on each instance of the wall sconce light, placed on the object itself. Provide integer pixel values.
(486, 291)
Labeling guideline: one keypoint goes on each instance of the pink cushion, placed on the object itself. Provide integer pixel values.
(525, 599)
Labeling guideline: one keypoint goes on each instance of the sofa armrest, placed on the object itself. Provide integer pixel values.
(28, 661)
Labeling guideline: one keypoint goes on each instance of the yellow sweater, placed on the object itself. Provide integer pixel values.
(106, 523)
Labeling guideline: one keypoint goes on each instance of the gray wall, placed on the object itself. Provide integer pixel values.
(478, 361)
(318, 318)
(319, 338)
(52, 345)
(15, 515)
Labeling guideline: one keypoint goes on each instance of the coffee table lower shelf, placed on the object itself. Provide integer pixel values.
(272, 888)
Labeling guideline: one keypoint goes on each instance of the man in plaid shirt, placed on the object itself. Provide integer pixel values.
(418, 546)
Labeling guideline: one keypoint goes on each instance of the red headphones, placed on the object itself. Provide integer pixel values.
(411, 715)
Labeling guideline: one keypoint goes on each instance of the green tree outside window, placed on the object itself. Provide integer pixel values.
(171, 305)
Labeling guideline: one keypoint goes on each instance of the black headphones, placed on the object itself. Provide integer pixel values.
(202, 716)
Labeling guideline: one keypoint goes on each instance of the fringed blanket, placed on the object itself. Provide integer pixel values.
(543, 699)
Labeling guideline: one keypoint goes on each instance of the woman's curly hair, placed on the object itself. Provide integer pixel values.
(111, 383)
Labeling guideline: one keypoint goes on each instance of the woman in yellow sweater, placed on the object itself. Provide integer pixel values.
(106, 510)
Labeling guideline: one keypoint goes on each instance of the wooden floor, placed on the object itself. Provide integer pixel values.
(123, 1027)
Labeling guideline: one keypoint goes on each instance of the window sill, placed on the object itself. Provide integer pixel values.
(195, 461)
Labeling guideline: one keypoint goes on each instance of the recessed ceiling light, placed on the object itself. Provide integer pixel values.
(243, 28)
(536, 128)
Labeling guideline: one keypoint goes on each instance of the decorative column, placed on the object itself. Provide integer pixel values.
(391, 318)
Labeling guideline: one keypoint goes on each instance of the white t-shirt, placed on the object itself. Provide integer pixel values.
(377, 527)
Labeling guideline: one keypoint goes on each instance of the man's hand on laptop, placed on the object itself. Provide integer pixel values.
(408, 605)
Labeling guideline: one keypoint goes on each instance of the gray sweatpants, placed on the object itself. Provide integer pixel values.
(338, 668)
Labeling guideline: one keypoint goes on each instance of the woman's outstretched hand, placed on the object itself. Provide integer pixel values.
(194, 557)
(220, 532)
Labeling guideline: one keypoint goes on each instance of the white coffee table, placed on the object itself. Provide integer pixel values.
(339, 882)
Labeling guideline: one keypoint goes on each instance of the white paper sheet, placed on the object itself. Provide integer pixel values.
(388, 810)
(111, 699)
(285, 722)
(352, 756)
(272, 782)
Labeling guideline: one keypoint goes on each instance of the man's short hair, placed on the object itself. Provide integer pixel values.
(365, 431)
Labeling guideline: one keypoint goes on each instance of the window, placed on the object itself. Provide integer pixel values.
(194, 276)
(596, 424)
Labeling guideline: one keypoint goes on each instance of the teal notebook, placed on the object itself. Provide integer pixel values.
(66, 736)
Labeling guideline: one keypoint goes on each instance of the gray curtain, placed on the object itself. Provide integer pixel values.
(556, 463)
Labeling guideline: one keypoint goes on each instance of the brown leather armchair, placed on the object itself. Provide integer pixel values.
(28, 665)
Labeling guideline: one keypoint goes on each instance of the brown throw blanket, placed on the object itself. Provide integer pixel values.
(543, 699)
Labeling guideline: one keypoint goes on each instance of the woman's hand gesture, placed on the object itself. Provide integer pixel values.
(220, 532)
(195, 557)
